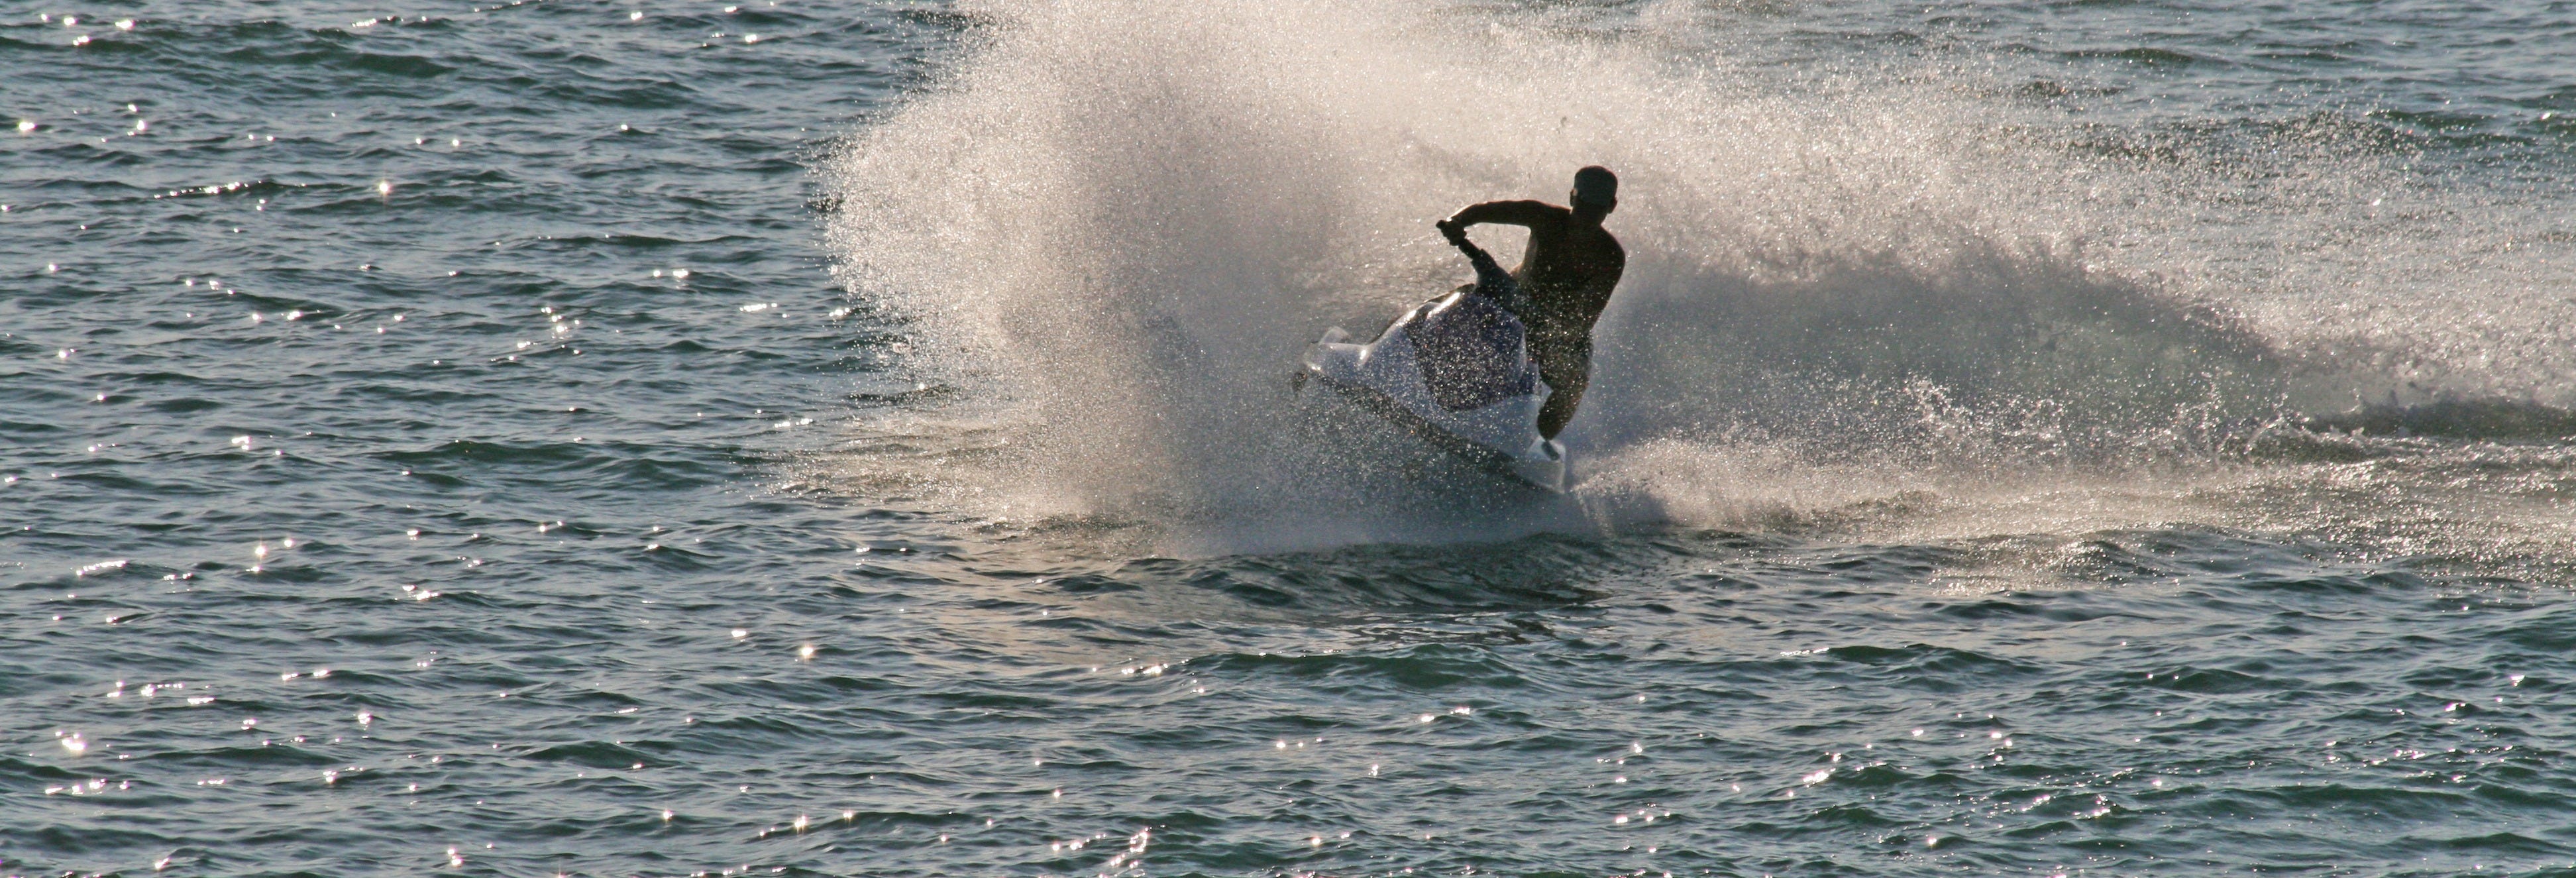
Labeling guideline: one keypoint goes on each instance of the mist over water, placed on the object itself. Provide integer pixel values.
(1120, 222)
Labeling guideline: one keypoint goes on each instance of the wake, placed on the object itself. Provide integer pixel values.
(1114, 225)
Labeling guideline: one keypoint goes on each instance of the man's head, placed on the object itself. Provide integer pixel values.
(1596, 191)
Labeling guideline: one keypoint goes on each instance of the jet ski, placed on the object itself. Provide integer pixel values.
(1456, 372)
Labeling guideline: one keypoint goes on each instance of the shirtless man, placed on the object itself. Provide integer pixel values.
(1565, 278)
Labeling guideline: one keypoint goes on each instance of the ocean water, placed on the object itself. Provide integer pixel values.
(718, 437)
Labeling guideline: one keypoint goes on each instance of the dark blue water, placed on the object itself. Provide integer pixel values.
(679, 437)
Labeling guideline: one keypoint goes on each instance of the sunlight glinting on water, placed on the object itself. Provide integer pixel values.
(785, 438)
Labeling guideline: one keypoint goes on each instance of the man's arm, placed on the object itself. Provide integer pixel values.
(1511, 213)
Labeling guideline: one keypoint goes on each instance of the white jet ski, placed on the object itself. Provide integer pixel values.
(1456, 372)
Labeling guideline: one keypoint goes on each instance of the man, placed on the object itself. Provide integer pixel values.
(1565, 280)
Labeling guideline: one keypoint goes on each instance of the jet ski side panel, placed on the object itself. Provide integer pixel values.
(1387, 377)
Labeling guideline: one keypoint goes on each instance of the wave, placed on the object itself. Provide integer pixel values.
(2456, 418)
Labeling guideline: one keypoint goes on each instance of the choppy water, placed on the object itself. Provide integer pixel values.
(690, 436)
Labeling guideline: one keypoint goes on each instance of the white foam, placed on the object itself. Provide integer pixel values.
(1113, 225)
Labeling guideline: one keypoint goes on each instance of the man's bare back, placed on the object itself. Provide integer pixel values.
(1567, 273)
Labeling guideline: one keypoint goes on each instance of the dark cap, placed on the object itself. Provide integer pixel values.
(1596, 185)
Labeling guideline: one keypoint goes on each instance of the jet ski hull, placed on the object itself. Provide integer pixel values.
(1494, 427)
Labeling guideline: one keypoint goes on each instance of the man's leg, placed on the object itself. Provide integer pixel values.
(1566, 369)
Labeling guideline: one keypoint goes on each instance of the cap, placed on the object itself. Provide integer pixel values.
(1595, 184)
